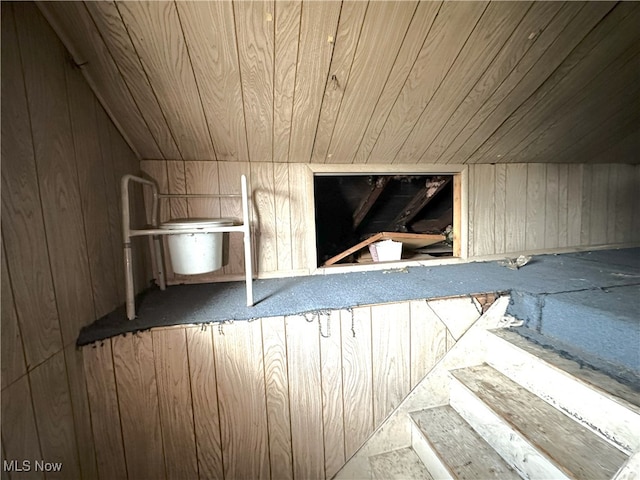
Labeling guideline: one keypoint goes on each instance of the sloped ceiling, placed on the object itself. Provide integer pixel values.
(364, 82)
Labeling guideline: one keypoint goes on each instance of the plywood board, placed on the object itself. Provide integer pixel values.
(302, 231)
(574, 204)
(104, 409)
(276, 379)
(175, 402)
(535, 218)
(482, 203)
(563, 210)
(587, 204)
(516, 213)
(598, 221)
(204, 395)
(138, 402)
(624, 206)
(552, 208)
(283, 216)
(263, 200)
(428, 340)
(500, 202)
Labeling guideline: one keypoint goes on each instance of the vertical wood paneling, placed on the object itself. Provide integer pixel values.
(276, 381)
(552, 207)
(574, 203)
(214, 57)
(332, 394)
(54, 416)
(19, 432)
(204, 394)
(305, 397)
(516, 207)
(535, 221)
(391, 360)
(178, 207)
(428, 340)
(586, 199)
(105, 413)
(288, 14)
(624, 207)
(263, 199)
(500, 206)
(254, 35)
(300, 196)
(230, 173)
(598, 213)
(167, 66)
(22, 223)
(241, 395)
(138, 401)
(283, 216)
(175, 402)
(483, 205)
(563, 205)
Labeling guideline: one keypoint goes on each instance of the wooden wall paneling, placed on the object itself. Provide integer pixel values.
(176, 207)
(390, 340)
(277, 387)
(175, 402)
(43, 62)
(474, 60)
(623, 209)
(81, 412)
(167, 64)
(598, 221)
(536, 206)
(22, 223)
(440, 50)
(287, 32)
(19, 432)
(587, 205)
(552, 207)
(332, 394)
(428, 340)
(636, 208)
(305, 396)
(482, 199)
(471, 221)
(110, 29)
(500, 206)
(105, 413)
(574, 204)
(255, 36)
(214, 57)
(78, 32)
(302, 227)
(367, 79)
(230, 173)
(458, 209)
(138, 402)
(351, 20)
(241, 398)
(54, 416)
(537, 19)
(571, 75)
(93, 194)
(411, 46)
(613, 192)
(204, 394)
(13, 360)
(553, 43)
(264, 208)
(563, 205)
(283, 216)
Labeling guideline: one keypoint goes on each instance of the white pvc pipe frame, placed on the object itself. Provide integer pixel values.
(155, 232)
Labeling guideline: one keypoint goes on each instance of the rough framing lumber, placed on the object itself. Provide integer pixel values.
(432, 187)
(369, 201)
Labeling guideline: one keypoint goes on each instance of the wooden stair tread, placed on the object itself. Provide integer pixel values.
(572, 447)
(461, 449)
(401, 464)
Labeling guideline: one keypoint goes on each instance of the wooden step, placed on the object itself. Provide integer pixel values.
(450, 448)
(544, 442)
(402, 464)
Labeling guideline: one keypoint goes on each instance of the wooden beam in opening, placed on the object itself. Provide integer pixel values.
(432, 187)
(368, 201)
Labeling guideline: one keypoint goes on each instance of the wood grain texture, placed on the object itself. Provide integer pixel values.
(287, 32)
(79, 34)
(332, 394)
(598, 214)
(624, 206)
(305, 396)
(552, 208)
(391, 359)
(241, 395)
(563, 209)
(22, 223)
(428, 340)
(175, 402)
(122, 55)
(516, 207)
(366, 84)
(587, 205)
(301, 225)
(167, 65)
(500, 202)
(254, 34)
(19, 431)
(54, 415)
(138, 401)
(263, 200)
(105, 414)
(276, 379)
(438, 53)
(230, 173)
(574, 204)
(283, 216)
(483, 205)
(204, 395)
(536, 193)
(214, 58)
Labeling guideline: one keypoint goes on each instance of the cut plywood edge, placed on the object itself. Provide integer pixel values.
(458, 314)
(432, 391)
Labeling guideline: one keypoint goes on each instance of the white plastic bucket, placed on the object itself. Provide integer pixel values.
(386, 250)
(195, 253)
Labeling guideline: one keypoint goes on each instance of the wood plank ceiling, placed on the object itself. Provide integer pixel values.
(364, 82)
